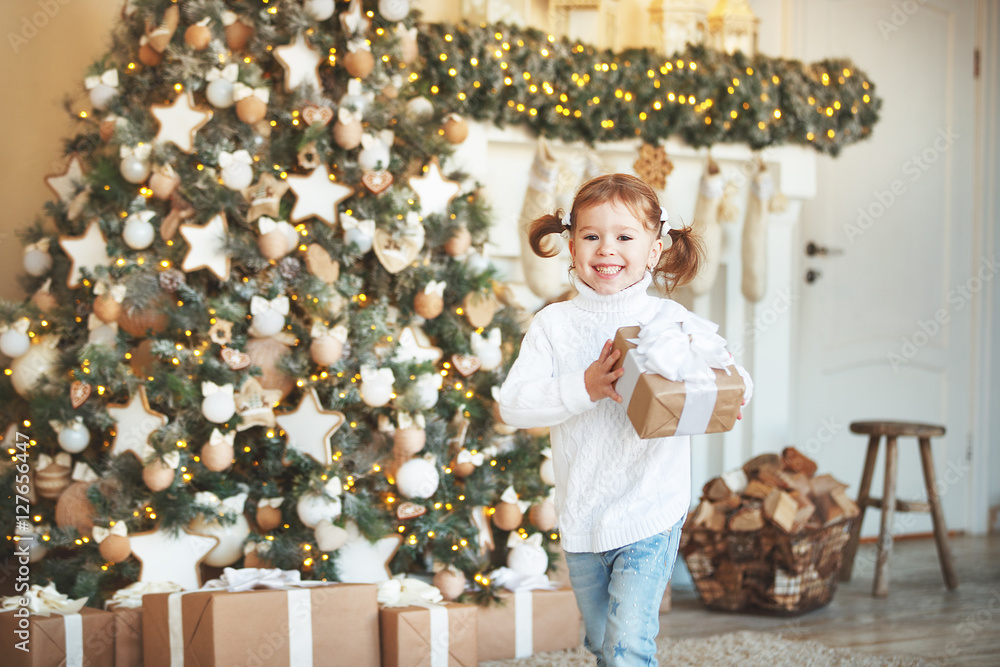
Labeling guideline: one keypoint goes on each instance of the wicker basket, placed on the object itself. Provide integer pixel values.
(766, 571)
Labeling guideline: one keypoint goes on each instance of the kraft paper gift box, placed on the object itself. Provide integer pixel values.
(71, 640)
(128, 636)
(656, 406)
(334, 624)
(528, 622)
(431, 635)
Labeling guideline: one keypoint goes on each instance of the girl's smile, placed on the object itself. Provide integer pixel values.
(612, 249)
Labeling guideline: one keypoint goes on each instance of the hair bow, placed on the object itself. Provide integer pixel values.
(410, 420)
(435, 287)
(366, 227)
(465, 456)
(567, 219)
(83, 473)
(377, 375)
(259, 304)
(239, 157)
(139, 151)
(20, 325)
(108, 78)
(347, 116)
(230, 73)
(61, 459)
(217, 438)
(320, 329)
(270, 502)
(209, 388)
(101, 533)
(241, 91)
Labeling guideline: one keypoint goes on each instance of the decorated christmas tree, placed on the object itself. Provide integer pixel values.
(261, 310)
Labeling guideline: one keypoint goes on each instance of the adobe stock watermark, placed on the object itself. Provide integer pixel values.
(25, 539)
(900, 14)
(975, 623)
(34, 21)
(767, 316)
(927, 329)
(913, 168)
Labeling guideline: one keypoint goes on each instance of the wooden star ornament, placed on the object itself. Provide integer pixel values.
(85, 252)
(317, 195)
(265, 196)
(67, 184)
(207, 247)
(180, 121)
(433, 189)
(256, 405)
(362, 562)
(310, 426)
(135, 421)
(167, 557)
(301, 62)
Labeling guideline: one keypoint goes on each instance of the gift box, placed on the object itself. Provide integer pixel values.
(658, 407)
(435, 634)
(84, 638)
(334, 624)
(527, 622)
(128, 636)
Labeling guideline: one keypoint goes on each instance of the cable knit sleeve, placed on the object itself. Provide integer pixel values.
(535, 394)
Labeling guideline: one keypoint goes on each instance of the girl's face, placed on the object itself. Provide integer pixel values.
(611, 248)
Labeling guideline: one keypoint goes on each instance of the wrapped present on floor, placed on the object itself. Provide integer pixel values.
(262, 617)
(43, 627)
(534, 616)
(418, 628)
(679, 379)
(126, 606)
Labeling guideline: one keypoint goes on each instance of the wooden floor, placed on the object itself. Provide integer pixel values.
(920, 617)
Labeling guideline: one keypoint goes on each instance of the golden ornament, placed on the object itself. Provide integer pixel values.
(451, 583)
(348, 135)
(360, 63)
(459, 242)
(115, 548)
(198, 37)
(51, 481)
(268, 518)
(273, 245)
(237, 35)
(251, 110)
(455, 129)
(157, 475)
(542, 515)
(106, 308)
(428, 306)
(326, 350)
(508, 516)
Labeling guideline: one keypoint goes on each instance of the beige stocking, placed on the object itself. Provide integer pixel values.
(706, 225)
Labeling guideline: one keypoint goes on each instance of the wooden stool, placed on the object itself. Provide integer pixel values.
(889, 504)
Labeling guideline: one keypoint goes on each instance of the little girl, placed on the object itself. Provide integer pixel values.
(621, 500)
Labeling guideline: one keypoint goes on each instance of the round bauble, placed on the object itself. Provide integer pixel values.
(420, 109)
(163, 183)
(74, 510)
(138, 233)
(219, 407)
(149, 56)
(428, 306)
(27, 371)
(547, 472)
(107, 309)
(421, 395)
(273, 245)
(143, 361)
(267, 353)
(115, 548)
(157, 475)
(37, 262)
(459, 243)
(267, 323)
(253, 559)
(376, 394)
(490, 357)
(326, 350)
(408, 441)
(217, 457)
(45, 301)
(251, 110)
(390, 92)
(375, 157)
(268, 518)
(528, 560)
(450, 582)
(319, 10)
(198, 37)
(394, 10)
(455, 129)
(462, 470)
(417, 478)
(330, 537)
(363, 240)
(138, 321)
(542, 515)
(508, 516)
(74, 437)
(237, 175)
(219, 93)
(134, 170)
(36, 549)
(14, 343)
(101, 96)
(231, 538)
(359, 63)
(348, 135)
(237, 35)
(314, 507)
(477, 263)
(52, 481)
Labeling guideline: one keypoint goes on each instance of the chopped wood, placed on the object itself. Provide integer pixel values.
(758, 489)
(716, 489)
(746, 519)
(781, 509)
(729, 504)
(756, 463)
(849, 507)
(736, 480)
(825, 484)
(798, 481)
(805, 508)
(835, 506)
(795, 461)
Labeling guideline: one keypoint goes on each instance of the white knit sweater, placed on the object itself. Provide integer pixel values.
(612, 488)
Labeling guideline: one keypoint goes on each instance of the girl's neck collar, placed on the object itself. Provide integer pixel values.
(631, 298)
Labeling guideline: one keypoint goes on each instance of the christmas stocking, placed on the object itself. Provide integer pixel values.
(706, 225)
(755, 236)
(545, 276)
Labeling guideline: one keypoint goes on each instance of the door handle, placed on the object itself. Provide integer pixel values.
(812, 275)
(813, 249)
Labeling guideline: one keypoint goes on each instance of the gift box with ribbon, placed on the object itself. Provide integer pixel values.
(679, 379)
(419, 629)
(262, 617)
(126, 606)
(58, 631)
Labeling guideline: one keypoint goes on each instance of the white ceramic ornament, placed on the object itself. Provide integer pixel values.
(310, 426)
(319, 10)
(330, 537)
(417, 478)
(314, 507)
(138, 232)
(375, 153)
(37, 260)
(488, 349)
(355, 98)
(359, 232)
(424, 392)
(236, 169)
(419, 109)
(169, 556)
(14, 341)
(180, 121)
(433, 190)
(103, 88)
(545, 471)
(231, 536)
(85, 252)
(268, 317)
(376, 386)
(394, 10)
(207, 247)
(73, 436)
(218, 405)
(362, 562)
(526, 556)
(317, 195)
(301, 63)
(134, 169)
(28, 369)
(220, 90)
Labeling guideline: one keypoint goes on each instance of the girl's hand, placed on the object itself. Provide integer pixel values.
(599, 378)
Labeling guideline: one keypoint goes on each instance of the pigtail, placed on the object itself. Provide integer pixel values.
(679, 263)
(539, 232)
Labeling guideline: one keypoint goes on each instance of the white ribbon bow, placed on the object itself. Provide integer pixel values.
(320, 329)
(514, 582)
(510, 496)
(229, 73)
(108, 78)
(59, 426)
(411, 420)
(256, 547)
(130, 597)
(21, 325)
(249, 578)
(681, 351)
(83, 473)
(465, 456)
(347, 116)
(217, 438)
(403, 31)
(61, 459)
(171, 459)
(94, 323)
(116, 291)
(242, 91)
(210, 388)
(373, 140)
(229, 17)
(403, 591)
(366, 227)
(377, 375)
(355, 92)
(491, 339)
(101, 533)
(514, 540)
(333, 487)
(270, 502)
(435, 287)
(140, 151)
(259, 304)
(40, 245)
(239, 157)
(231, 505)
(44, 601)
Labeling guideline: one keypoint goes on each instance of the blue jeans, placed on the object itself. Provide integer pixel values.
(619, 594)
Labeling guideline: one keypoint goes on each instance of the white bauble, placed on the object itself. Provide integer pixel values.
(138, 233)
(330, 537)
(423, 394)
(74, 438)
(219, 407)
(36, 547)
(375, 157)
(27, 370)
(547, 472)
(352, 235)
(490, 357)
(394, 10)
(231, 539)
(319, 10)
(37, 262)
(219, 94)
(101, 95)
(376, 394)
(237, 175)
(417, 478)
(313, 508)
(267, 323)
(528, 560)
(13, 343)
(420, 109)
(134, 170)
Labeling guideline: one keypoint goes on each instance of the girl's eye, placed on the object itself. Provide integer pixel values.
(623, 237)
(590, 237)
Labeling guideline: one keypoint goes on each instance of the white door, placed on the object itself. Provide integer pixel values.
(886, 326)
